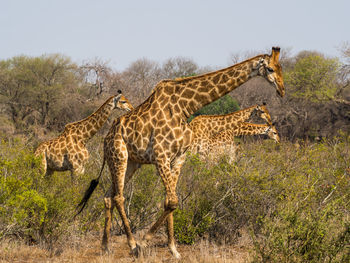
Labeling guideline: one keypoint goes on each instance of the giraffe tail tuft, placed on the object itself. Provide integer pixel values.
(87, 196)
(89, 191)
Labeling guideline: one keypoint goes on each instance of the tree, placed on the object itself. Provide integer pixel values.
(97, 75)
(224, 105)
(179, 67)
(32, 89)
(313, 77)
(138, 80)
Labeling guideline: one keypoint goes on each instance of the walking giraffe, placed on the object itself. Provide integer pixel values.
(68, 152)
(157, 132)
(205, 141)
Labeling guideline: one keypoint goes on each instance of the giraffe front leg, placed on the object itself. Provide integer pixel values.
(169, 178)
(43, 163)
(170, 220)
(78, 169)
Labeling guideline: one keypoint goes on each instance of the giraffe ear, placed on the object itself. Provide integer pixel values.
(260, 64)
(116, 99)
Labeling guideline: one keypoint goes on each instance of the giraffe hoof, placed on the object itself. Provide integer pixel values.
(137, 251)
(177, 255)
(105, 250)
(143, 243)
(173, 251)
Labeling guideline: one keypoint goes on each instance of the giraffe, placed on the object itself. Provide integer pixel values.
(156, 132)
(223, 142)
(209, 125)
(202, 139)
(68, 151)
(205, 127)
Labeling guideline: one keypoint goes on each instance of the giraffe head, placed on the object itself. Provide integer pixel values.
(263, 113)
(122, 103)
(271, 131)
(270, 68)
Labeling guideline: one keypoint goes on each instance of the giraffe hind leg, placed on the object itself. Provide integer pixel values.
(110, 203)
(118, 172)
(109, 206)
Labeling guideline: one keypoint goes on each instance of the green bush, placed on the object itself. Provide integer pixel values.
(22, 207)
(223, 105)
(32, 207)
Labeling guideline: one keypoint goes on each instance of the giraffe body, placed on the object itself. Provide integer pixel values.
(223, 142)
(207, 127)
(68, 152)
(157, 132)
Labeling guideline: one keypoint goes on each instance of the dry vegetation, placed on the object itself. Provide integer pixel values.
(88, 250)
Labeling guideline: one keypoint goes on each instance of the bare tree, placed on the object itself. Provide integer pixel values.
(138, 79)
(97, 74)
(179, 67)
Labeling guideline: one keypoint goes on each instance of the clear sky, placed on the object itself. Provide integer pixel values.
(122, 31)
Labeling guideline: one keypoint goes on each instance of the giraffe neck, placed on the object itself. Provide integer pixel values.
(201, 90)
(87, 128)
(251, 129)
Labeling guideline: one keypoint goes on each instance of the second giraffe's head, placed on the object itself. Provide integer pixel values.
(272, 133)
(263, 113)
(122, 103)
(270, 68)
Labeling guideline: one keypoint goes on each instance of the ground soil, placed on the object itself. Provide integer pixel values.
(88, 249)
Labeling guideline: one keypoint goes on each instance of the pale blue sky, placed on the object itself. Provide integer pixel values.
(206, 31)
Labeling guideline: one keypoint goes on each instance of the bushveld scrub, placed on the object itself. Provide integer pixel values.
(293, 198)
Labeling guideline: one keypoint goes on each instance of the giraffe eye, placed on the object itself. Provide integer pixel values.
(270, 70)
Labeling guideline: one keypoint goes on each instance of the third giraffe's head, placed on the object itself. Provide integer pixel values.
(272, 133)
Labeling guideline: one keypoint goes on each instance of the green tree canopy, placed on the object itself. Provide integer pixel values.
(224, 105)
(31, 88)
(313, 77)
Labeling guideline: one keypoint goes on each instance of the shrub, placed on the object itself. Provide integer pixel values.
(223, 105)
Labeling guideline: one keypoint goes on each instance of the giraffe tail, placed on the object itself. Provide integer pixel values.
(93, 184)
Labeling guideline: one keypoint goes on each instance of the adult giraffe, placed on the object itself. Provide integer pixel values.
(157, 132)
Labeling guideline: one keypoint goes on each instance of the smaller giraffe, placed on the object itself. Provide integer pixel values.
(209, 125)
(223, 142)
(67, 152)
(206, 126)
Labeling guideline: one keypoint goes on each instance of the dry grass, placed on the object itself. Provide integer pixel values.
(88, 250)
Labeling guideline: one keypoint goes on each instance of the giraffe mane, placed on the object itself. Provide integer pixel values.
(185, 79)
(222, 115)
(159, 85)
